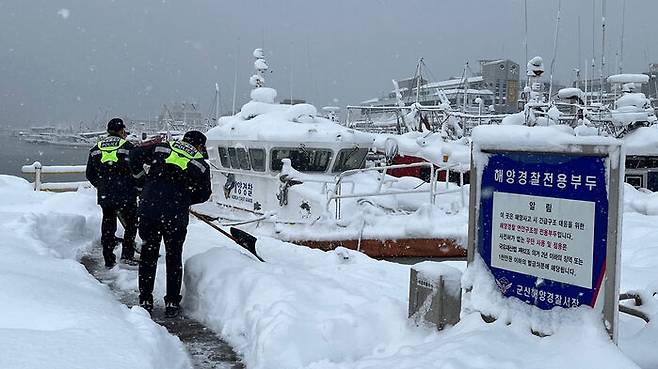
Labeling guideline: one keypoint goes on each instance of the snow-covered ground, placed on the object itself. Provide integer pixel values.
(53, 313)
(303, 308)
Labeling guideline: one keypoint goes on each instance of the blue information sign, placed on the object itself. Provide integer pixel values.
(543, 225)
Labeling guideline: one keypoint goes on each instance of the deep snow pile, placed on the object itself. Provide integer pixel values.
(303, 308)
(311, 309)
(54, 314)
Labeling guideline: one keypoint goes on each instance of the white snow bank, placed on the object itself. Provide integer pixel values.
(54, 314)
(642, 141)
(641, 202)
(301, 307)
(516, 119)
(310, 309)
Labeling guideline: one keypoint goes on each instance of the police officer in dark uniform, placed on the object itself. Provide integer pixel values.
(177, 177)
(109, 170)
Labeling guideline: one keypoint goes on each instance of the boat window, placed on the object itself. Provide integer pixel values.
(350, 159)
(233, 155)
(243, 157)
(302, 159)
(257, 159)
(223, 157)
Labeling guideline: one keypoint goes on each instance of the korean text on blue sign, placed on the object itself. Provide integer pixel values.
(543, 225)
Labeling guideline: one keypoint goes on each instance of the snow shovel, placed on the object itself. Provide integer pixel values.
(242, 238)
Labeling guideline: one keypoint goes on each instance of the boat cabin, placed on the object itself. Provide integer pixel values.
(257, 159)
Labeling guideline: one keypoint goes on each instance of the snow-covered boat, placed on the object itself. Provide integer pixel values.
(54, 136)
(285, 171)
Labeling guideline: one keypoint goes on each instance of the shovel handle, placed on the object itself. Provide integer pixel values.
(206, 219)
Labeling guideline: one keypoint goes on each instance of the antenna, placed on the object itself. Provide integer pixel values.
(602, 50)
(623, 26)
(292, 60)
(586, 76)
(557, 28)
(235, 77)
(216, 103)
(420, 61)
(579, 54)
(465, 81)
(309, 66)
(525, 37)
(591, 85)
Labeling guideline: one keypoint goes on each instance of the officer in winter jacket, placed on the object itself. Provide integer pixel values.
(177, 177)
(108, 169)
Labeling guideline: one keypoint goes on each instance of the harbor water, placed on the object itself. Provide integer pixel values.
(16, 153)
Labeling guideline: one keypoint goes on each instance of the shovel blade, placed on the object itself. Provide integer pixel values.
(247, 241)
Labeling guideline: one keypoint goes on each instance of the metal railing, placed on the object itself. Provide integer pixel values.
(434, 170)
(40, 170)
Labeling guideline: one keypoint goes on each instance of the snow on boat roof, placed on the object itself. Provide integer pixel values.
(258, 121)
(549, 138)
(569, 92)
(430, 147)
(628, 78)
(642, 141)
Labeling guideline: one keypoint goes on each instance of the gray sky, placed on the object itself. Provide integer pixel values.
(127, 57)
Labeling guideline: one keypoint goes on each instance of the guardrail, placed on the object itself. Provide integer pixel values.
(40, 170)
(434, 170)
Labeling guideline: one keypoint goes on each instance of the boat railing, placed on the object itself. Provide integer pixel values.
(369, 118)
(338, 195)
(39, 171)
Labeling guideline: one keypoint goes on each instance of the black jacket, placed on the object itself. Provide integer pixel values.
(112, 175)
(169, 189)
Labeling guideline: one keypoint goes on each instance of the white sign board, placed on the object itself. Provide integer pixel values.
(547, 237)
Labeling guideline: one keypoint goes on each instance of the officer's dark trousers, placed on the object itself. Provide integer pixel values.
(128, 213)
(152, 231)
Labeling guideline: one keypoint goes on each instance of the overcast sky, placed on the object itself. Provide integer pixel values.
(80, 60)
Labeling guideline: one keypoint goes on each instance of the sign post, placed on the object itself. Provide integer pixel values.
(547, 223)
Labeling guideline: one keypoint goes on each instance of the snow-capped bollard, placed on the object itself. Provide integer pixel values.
(435, 294)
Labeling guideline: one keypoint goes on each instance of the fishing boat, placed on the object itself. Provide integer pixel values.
(287, 172)
(54, 136)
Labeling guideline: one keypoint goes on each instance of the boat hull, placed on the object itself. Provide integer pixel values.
(401, 248)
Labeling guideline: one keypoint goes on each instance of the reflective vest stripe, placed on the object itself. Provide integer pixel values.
(180, 157)
(109, 153)
(199, 165)
(161, 149)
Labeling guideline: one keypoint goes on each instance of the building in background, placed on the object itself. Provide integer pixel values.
(496, 84)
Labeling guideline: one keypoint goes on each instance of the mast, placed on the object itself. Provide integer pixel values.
(557, 28)
(420, 61)
(585, 82)
(623, 26)
(525, 37)
(235, 78)
(601, 71)
(292, 60)
(579, 57)
(465, 84)
(591, 84)
(216, 116)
